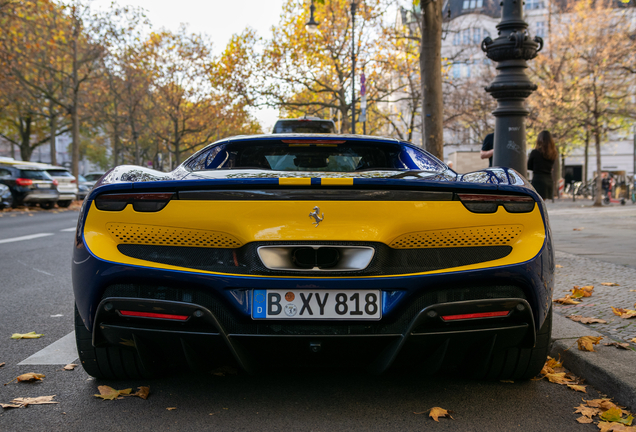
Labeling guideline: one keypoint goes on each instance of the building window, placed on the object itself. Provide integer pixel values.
(466, 37)
(457, 39)
(466, 68)
(534, 4)
(472, 4)
(477, 36)
(455, 70)
(540, 29)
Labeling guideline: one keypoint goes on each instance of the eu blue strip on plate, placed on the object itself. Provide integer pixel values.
(259, 304)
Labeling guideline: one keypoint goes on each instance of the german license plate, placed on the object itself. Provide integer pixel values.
(317, 304)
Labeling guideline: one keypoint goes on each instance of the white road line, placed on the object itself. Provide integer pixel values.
(68, 229)
(29, 237)
(61, 352)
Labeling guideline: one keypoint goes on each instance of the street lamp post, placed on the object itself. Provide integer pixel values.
(511, 50)
(312, 27)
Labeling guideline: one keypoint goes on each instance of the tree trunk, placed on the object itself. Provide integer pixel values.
(177, 150)
(25, 140)
(586, 156)
(115, 138)
(431, 79)
(598, 201)
(75, 146)
(53, 131)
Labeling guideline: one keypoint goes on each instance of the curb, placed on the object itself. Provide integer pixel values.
(610, 370)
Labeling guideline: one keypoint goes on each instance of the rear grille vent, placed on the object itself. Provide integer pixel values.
(468, 237)
(168, 236)
(245, 261)
(234, 323)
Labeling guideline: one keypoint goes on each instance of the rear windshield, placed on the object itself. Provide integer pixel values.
(59, 173)
(35, 174)
(298, 156)
(304, 126)
(92, 177)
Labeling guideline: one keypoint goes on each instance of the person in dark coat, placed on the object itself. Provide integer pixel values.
(541, 162)
(487, 148)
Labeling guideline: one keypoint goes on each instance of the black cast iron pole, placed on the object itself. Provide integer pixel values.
(511, 49)
(353, 67)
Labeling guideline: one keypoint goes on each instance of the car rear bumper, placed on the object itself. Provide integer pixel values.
(41, 196)
(66, 196)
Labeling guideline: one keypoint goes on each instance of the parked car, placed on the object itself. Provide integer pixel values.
(6, 199)
(67, 184)
(92, 178)
(29, 185)
(82, 187)
(304, 125)
(299, 250)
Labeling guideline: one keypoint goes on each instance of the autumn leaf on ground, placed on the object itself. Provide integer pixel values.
(29, 335)
(615, 414)
(1, 364)
(142, 392)
(558, 266)
(584, 291)
(70, 367)
(40, 400)
(587, 411)
(609, 284)
(551, 364)
(567, 300)
(559, 378)
(579, 388)
(623, 345)
(632, 290)
(584, 420)
(578, 229)
(603, 404)
(586, 320)
(171, 408)
(624, 313)
(109, 393)
(10, 405)
(614, 427)
(30, 377)
(586, 343)
(633, 340)
(437, 412)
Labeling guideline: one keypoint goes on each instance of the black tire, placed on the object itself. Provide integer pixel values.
(522, 363)
(64, 204)
(47, 205)
(112, 363)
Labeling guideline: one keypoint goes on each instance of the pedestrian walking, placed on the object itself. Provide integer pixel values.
(541, 162)
(487, 148)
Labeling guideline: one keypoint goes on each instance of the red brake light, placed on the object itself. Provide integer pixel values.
(312, 141)
(23, 182)
(475, 315)
(73, 181)
(153, 315)
(55, 182)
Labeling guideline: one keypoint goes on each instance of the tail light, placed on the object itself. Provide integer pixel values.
(483, 203)
(23, 182)
(142, 202)
(73, 181)
(475, 315)
(137, 314)
(55, 182)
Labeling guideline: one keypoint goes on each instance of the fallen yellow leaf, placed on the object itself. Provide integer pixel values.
(558, 266)
(584, 420)
(171, 408)
(142, 392)
(579, 388)
(9, 405)
(558, 378)
(30, 377)
(586, 320)
(633, 340)
(578, 292)
(587, 411)
(30, 335)
(621, 345)
(624, 313)
(437, 412)
(615, 414)
(609, 284)
(567, 300)
(614, 427)
(632, 290)
(586, 343)
(40, 400)
(109, 393)
(603, 404)
(578, 229)
(1, 364)
(70, 366)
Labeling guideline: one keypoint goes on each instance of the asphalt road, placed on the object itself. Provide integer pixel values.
(36, 295)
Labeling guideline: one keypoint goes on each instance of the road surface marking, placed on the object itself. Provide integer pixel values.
(43, 272)
(29, 237)
(61, 352)
(68, 229)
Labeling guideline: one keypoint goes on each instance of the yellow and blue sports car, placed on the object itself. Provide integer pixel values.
(301, 250)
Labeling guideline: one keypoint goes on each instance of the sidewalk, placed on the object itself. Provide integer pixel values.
(609, 369)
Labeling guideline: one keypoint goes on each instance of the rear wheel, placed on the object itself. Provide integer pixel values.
(522, 363)
(47, 205)
(64, 204)
(107, 362)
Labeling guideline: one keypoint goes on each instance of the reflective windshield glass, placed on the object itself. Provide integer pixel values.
(325, 156)
(35, 174)
(59, 173)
